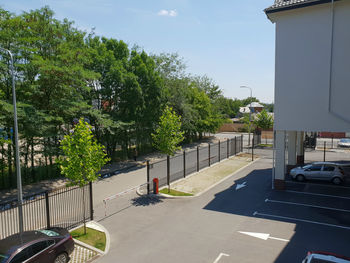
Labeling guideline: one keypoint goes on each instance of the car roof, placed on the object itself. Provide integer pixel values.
(327, 257)
(325, 163)
(18, 240)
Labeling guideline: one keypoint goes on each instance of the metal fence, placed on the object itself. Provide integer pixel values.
(188, 162)
(63, 207)
(256, 139)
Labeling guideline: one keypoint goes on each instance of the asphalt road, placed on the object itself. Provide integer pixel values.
(208, 228)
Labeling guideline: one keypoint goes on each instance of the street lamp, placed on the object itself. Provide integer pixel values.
(18, 168)
(250, 111)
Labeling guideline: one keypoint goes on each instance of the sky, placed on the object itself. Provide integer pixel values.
(230, 41)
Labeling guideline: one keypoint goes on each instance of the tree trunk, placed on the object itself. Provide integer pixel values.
(32, 159)
(3, 166)
(84, 217)
(9, 161)
(26, 160)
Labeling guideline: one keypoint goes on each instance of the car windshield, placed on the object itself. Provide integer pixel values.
(307, 166)
(345, 140)
(49, 233)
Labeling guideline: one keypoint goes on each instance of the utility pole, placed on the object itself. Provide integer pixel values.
(18, 167)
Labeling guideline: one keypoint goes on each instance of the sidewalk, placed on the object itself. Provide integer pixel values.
(207, 178)
(107, 171)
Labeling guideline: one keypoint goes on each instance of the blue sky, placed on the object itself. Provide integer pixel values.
(230, 41)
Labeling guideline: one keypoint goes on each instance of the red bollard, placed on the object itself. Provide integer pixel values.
(155, 186)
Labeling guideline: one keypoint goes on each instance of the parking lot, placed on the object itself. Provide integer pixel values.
(250, 223)
(307, 216)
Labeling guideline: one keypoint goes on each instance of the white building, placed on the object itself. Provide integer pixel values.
(312, 73)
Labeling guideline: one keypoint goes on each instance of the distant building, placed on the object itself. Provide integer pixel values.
(254, 107)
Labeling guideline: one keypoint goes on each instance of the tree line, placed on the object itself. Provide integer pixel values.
(64, 74)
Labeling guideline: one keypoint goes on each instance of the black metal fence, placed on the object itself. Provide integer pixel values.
(63, 207)
(188, 162)
(256, 139)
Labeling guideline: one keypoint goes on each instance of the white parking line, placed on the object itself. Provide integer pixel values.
(256, 213)
(220, 256)
(306, 205)
(308, 193)
(324, 185)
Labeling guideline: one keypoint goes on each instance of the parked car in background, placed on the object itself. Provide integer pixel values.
(344, 143)
(325, 257)
(325, 171)
(41, 246)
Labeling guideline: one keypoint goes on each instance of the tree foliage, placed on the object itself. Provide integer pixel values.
(168, 134)
(82, 156)
(263, 120)
(64, 74)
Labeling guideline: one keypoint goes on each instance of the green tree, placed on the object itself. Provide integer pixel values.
(269, 107)
(82, 157)
(168, 134)
(263, 120)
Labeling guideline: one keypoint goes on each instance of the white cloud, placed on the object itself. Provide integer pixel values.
(164, 12)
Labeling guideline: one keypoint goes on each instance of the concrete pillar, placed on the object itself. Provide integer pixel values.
(280, 161)
(300, 148)
(292, 147)
(292, 150)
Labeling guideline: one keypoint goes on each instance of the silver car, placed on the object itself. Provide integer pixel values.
(325, 171)
(344, 143)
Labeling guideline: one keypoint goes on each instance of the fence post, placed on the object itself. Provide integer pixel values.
(168, 170)
(332, 140)
(148, 182)
(91, 202)
(324, 151)
(227, 149)
(47, 209)
(209, 154)
(184, 162)
(253, 148)
(219, 151)
(197, 158)
(235, 145)
(241, 143)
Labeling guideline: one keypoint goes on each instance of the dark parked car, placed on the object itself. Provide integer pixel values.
(41, 246)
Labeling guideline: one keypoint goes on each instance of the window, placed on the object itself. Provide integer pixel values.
(23, 255)
(315, 168)
(307, 166)
(39, 246)
(328, 168)
(49, 233)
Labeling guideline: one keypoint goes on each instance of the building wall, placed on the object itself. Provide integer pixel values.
(231, 127)
(303, 44)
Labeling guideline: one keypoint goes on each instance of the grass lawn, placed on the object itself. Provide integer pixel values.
(174, 192)
(266, 145)
(93, 237)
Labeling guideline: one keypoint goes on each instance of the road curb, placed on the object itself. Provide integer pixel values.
(227, 177)
(98, 227)
(204, 191)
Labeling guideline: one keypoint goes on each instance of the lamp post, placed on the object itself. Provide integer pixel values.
(18, 168)
(250, 111)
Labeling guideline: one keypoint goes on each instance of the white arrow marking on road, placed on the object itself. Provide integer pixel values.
(263, 236)
(239, 186)
(220, 256)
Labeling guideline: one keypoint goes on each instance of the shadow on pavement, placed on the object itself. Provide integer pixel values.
(147, 200)
(316, 228)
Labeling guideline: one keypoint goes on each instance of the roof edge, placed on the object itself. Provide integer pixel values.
(296, 6)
